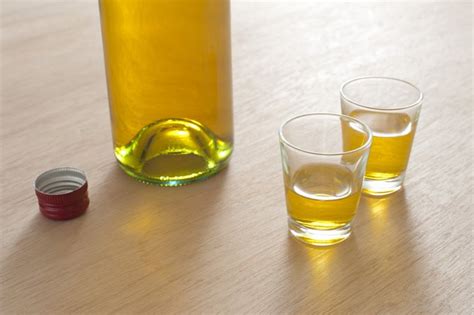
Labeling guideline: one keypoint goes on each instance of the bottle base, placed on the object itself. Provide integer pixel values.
(173, 181)
(174, 152)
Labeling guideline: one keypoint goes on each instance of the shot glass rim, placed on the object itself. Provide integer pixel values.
(364, 146)
(416, 103)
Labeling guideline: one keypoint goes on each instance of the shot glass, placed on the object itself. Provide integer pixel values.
(324, 158)
(390, 107)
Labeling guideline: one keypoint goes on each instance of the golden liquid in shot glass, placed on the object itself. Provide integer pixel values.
(392, 140)
(321, 196)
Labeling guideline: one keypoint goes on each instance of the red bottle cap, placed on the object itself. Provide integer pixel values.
(62, 193)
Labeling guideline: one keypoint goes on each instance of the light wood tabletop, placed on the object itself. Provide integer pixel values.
(222, 246)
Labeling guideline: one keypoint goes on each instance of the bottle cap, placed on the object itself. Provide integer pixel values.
(62, 193)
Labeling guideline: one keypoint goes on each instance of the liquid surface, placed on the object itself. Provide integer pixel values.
(322, 196)
(391, 143)
(169, 61)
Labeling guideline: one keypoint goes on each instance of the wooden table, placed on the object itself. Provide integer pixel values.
(222, 245)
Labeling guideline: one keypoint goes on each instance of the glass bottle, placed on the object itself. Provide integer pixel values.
(168, 67)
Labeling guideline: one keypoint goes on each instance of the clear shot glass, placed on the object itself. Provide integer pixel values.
(390, 107)
(324, 158)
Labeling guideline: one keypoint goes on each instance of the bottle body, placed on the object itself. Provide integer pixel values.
(168, 66)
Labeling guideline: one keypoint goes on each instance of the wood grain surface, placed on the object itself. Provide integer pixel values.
(221, 246)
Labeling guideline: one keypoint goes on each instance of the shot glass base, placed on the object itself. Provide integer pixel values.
(382, 187)
(318, 237)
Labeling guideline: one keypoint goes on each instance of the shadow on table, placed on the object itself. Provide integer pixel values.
(129, 232)
(376, 270)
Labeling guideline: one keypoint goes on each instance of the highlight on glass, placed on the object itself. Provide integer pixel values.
(324, 157)
(391, 108)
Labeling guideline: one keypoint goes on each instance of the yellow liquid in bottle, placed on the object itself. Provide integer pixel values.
(168, 70)
(322, 196)
(391, 143)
